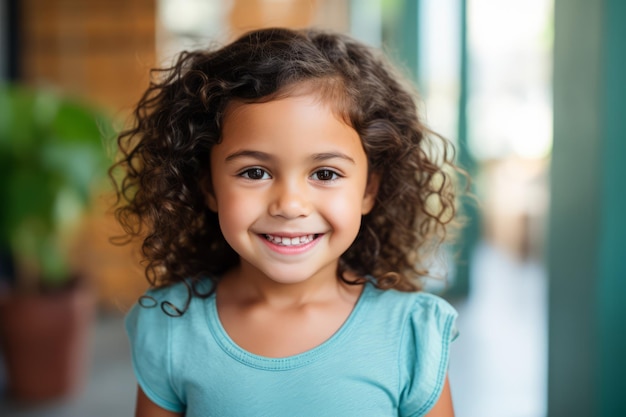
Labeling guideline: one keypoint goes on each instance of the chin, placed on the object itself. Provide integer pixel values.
(287, 279)
(295, 274)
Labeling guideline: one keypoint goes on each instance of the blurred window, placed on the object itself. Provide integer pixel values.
(510, 107)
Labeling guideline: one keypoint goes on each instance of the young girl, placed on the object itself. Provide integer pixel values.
(288, 197)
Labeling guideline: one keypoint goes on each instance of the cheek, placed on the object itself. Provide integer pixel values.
(235, 211)
(344, 210)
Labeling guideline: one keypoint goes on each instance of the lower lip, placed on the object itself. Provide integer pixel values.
(291, 250)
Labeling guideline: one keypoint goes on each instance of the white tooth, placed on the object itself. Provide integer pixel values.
(290, 241)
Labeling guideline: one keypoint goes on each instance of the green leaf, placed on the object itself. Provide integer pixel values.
(51, 155)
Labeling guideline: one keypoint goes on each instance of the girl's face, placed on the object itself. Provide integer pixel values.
(289, 184)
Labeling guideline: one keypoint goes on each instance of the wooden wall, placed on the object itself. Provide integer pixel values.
(96, 49)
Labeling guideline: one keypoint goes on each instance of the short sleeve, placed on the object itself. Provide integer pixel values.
(428, 332)
(148, 329)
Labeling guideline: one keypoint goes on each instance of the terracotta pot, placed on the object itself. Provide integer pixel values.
(45, 342)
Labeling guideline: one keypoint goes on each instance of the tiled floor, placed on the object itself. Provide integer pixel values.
(110, 388)
(497, 366)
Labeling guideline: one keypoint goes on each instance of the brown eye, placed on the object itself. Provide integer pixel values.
(325, 175)
(255, 174)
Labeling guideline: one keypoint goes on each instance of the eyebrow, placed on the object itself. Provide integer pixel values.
(262, 156)
(331, 155)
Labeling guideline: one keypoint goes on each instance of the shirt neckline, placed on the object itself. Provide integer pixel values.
(289, 362)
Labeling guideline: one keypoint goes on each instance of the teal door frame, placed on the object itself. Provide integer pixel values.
(587, 232)
(471, 233)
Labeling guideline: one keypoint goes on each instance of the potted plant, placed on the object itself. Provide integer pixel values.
(51, 155)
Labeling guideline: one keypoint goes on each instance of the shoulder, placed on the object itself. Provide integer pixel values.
(170, 301)
(426, 326)
(152, 325)
(149, 308)
(161, 311)
(148, 321)
(165, 310)
(410, 308)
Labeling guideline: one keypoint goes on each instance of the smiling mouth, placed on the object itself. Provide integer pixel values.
(291, 241)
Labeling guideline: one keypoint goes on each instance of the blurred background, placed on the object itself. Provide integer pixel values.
(530, 91)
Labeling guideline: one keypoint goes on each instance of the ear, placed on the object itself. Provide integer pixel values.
(209, 195)
(211, 202)
(371, 191)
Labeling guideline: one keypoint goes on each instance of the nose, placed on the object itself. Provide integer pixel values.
(290, 199)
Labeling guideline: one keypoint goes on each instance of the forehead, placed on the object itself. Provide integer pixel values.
(292, 125)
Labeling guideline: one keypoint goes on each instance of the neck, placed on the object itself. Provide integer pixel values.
(247, 284)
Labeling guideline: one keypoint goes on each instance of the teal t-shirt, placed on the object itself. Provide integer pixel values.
(389, 358)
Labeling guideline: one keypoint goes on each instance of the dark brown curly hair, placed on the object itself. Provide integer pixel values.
(165, 154)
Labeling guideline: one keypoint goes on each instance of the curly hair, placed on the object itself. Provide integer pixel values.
(164, 155)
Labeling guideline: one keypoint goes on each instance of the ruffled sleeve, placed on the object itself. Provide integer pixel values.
(428, 332)
(149, 332)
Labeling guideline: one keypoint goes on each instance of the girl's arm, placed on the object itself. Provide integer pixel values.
(443, 407)
(146, 408)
